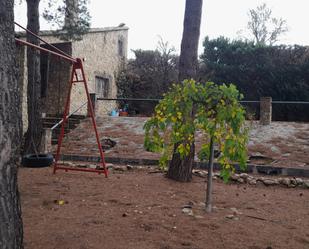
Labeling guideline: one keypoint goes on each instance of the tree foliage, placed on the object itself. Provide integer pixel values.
(281, 72)
(70, 16)
(149, 75)
(218, 114)
(265, 28)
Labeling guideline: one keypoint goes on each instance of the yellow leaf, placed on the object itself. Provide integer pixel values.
(61, 202)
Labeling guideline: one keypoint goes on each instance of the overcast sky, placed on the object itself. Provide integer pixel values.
(149, 19)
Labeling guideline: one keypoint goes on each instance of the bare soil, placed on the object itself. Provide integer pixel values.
(139, 209)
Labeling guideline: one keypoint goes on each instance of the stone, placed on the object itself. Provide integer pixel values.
(92, 166)
(187, 211)
(306, 183)
(244, 175)
(200, 173)
(293, 181)
(129, 167)
(240, 180)
(120, 168)
(257, 154)
(109, 165)
(270, 182)
(235, 211)
(286, 181)
(252, 182)
(299, 181)
(107, 143)
(231, 217)
(217, 174)
(235, 177)
(274, 149)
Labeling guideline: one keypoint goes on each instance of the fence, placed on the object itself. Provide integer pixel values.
(261, 110)
(264, 109)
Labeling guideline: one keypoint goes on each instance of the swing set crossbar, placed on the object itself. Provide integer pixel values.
(66, 168)
(77, 65)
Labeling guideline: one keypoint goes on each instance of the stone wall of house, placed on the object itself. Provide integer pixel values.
(102, 57)
(99, 51)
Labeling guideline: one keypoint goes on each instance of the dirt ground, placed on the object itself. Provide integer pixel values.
(139, 209)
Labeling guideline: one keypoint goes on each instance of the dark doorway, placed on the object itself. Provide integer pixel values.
(55, 76)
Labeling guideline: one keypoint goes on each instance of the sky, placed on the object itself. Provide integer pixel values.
(150, 19)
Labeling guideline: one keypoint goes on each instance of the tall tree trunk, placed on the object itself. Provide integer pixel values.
(34, 133)
(188, 60)
(11, 230)
(181, 169)
(71, 14)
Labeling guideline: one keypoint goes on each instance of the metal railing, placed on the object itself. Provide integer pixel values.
(242, 101)
(60, 122)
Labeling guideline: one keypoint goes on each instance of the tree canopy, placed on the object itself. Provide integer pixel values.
(265, 28)
(218, 114)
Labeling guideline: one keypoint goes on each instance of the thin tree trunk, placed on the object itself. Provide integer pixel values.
(33, 136)
(181, 169)
(11, 230)
(208, 203)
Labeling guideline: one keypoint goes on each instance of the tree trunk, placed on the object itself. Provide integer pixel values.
(188, 60)
(33, 136)
(208, 203)
(11, 231)
(181, 169)
(71, 14)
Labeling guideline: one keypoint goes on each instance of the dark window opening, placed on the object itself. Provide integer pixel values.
(120, 48)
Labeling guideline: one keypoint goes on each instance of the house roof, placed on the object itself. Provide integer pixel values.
(92, 30)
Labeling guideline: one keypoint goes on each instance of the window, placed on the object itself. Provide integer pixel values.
(102, 87)
(120, 47)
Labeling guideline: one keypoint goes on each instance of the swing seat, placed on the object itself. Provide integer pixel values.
(37, 161)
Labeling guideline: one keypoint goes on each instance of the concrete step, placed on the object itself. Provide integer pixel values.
(50, 120)
(50, 124)
(60, 116)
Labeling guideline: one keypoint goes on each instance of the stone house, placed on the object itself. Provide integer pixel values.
(104, 53)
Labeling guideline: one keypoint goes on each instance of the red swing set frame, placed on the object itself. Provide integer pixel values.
(77, 69)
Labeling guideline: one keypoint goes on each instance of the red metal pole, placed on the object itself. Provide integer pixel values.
(77, 64)
(45, 50)
(36, 36)
(66, 111)
(92, 116)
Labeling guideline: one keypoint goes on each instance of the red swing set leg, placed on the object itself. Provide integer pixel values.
(78, 65)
